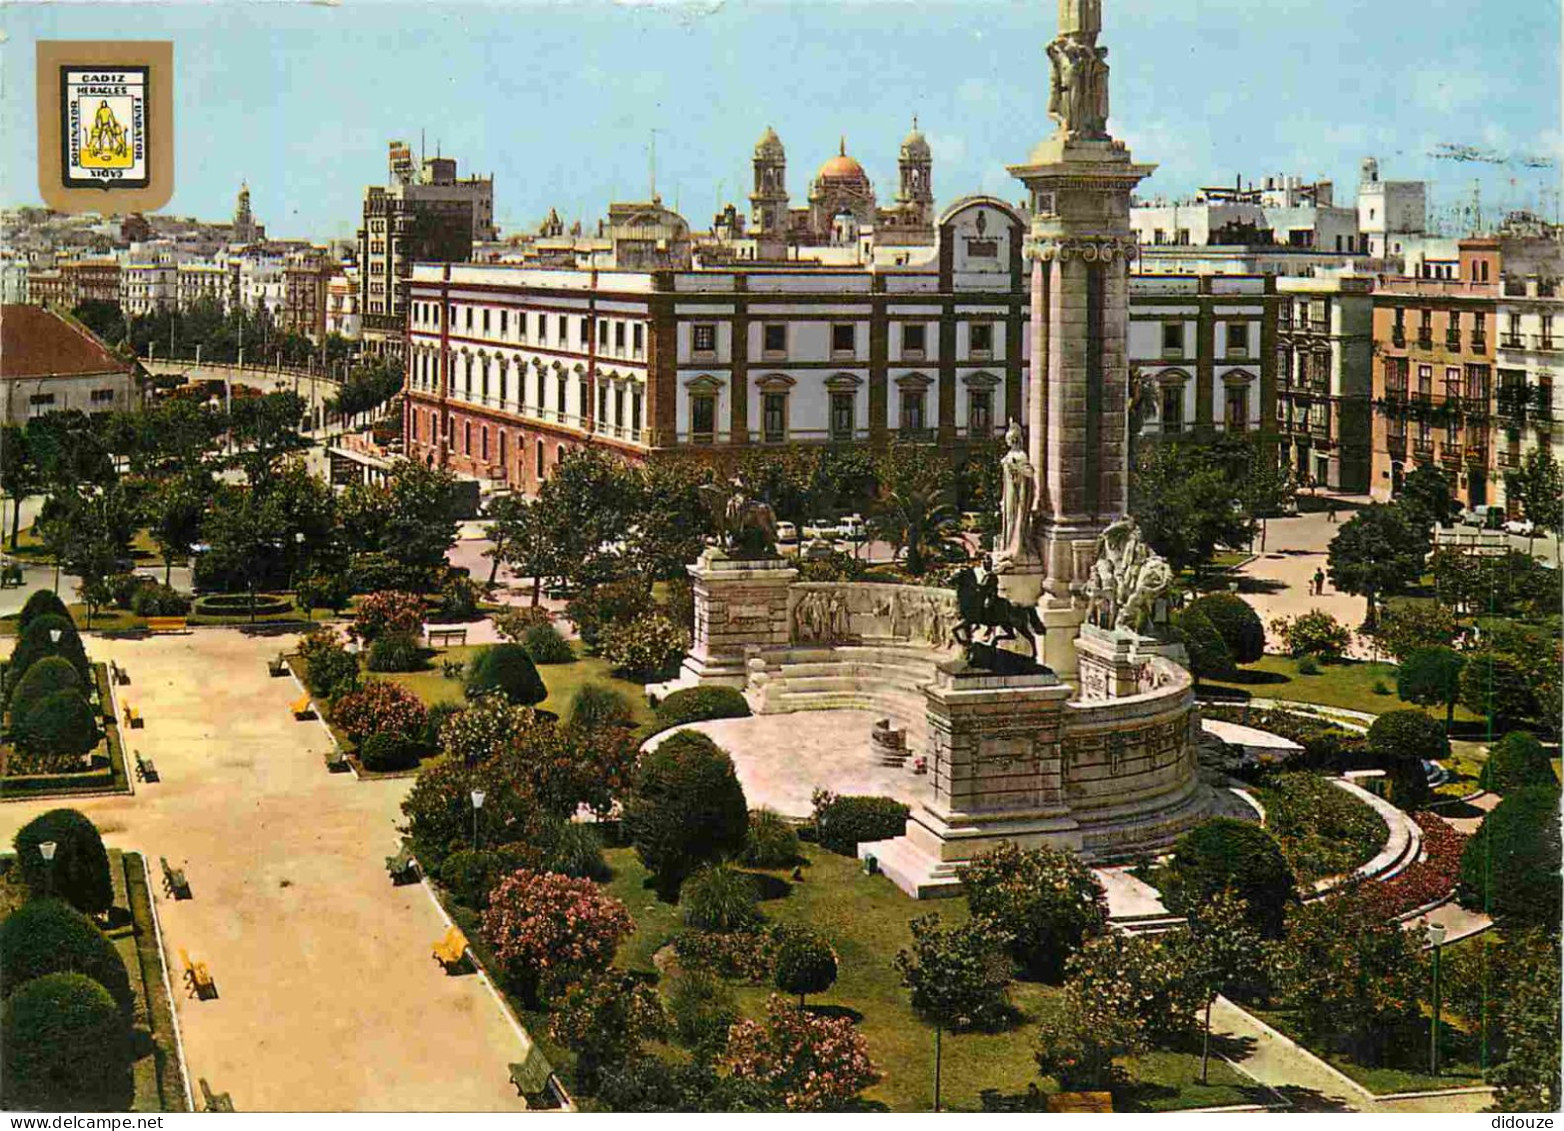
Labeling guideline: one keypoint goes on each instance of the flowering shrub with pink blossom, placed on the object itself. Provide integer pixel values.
(380, 707)
(388, 612)
(549, 930)
(1423, 881)
(809, 1063)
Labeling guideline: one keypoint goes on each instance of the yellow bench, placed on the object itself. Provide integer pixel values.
(450, 950)
(197, 977)
(301, 706)
(167, 624)
(133, 718)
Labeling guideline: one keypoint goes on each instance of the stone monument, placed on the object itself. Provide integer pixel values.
(1080, 248)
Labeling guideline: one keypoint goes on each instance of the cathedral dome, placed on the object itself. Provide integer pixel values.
(843, 168)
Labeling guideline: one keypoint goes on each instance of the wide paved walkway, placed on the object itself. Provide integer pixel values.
(328, 998)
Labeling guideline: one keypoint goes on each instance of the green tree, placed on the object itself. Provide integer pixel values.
(1226, 854)
(49, 936)
(805, 964)
(1539, 486)
(1188, 502)
(506, 669)
(584, 511)
(265, 429)
(1351, 978)
(1406, 628)
(1511, 867)
(64, 1046)
(685, 808)
(1501, 686)
(244, 538)
(1528, 1014)
(1401, 741)
(174, 512)
(1236, 622)
(1426, 497)
(79, 872)
(1223, 951)
(1045, 901)
(673, 517)
(20, 474)
(1517, 760)
(421, 522)
(1431, 677)
(1376, 554)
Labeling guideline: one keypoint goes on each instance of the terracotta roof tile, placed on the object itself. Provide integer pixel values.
(35, 342)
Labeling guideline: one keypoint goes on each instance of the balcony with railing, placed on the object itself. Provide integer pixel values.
(1423, 450)
(1544, 343)
(1425, 338)
(1479, 343)
(1398, 337)
(1451, 455)
(1512, 342)
(1477, 455)
(1509, 458)
(1453, 341)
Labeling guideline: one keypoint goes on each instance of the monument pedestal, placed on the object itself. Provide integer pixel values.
(995, 759)
(740, 609)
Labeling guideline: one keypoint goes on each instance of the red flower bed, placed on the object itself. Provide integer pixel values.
(1426, 880)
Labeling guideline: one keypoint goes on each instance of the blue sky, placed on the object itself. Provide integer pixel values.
(558, 99)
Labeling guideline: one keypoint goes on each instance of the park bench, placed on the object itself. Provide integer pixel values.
(336, 761)
(534, 1076)
(145, 770)
(451, 950)
(301, 707)
(198, 979)
(215, 1101)
(403, 867)
(133, 718)
(157, 625)
(444, 637)
(174, 882)
(1084, 1103)
(119, 676)
(277, 667)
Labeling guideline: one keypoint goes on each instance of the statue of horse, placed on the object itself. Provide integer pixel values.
(982, 606)
(744, 524)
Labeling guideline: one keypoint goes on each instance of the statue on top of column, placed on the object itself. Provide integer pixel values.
(1078, 97)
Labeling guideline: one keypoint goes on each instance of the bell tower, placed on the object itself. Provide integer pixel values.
(1079, 251)
(915, 193)
(768, 201)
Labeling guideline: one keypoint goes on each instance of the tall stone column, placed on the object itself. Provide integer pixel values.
(1081, 247)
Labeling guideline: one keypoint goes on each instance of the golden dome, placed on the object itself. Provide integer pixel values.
(842, 167)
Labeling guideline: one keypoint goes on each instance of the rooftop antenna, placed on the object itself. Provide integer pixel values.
(653, 163)
(421, 146)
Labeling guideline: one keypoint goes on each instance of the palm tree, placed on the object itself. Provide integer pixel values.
(919, 521)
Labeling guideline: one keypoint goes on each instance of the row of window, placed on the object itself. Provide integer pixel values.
(841, 416)
(1453, 326)
(616, 333)
(844, 337)
(481, 451)
(1169, 408)
(1237, 338)
(1473, 382)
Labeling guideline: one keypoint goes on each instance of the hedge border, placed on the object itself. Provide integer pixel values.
(113, 780)
(168, 1047)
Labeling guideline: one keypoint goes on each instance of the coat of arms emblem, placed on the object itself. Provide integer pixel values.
(104, 127)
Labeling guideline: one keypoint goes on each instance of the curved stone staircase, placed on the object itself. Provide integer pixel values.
(887, 679)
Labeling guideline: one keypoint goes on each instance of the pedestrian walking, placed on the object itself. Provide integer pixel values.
(1330, 512)
(1319, 582)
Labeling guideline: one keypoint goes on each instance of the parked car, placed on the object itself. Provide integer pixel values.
(853, 529)
(1485, 515)
(1525, 527)
(822, 528)
(787, 532)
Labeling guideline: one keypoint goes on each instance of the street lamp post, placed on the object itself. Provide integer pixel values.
(46, 850)
(477, 804)
(1436, 938)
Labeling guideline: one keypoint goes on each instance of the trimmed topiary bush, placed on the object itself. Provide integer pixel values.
(720, 898)
(61, 723)
(35, 643)
(395, 652)
(508, 669)
(1516, 761)
(685, 808)
(158, 600)
(546, 646)
(1400, 741)
(1516, 853)
(597, 706)
(45, 677)
(1225, 853)
(805, 963)
(772, 842)
(49, 936)
(42, 603)
(80, 871)
(843, 823)
(385, 752)
(1431, 677)
(1209, 657)
(65, 1047)
(1314, 633)
(1239, 626)
(696, 704)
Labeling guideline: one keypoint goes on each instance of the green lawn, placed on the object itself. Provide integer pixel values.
(1348, 685)
(1385, 1080)
(865, 918)
(562, 680)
